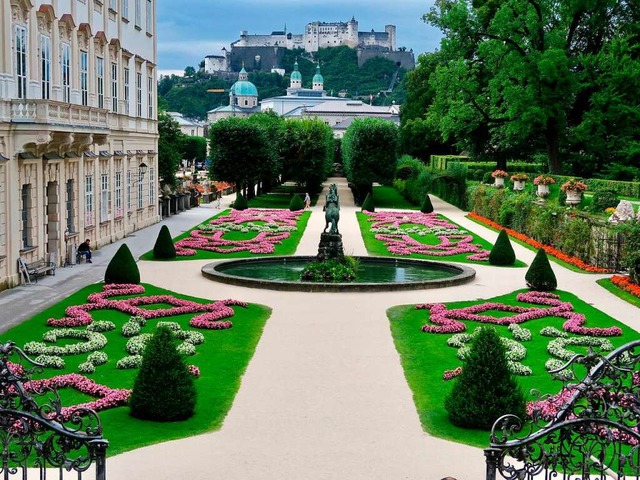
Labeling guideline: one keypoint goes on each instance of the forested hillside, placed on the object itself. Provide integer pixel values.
(188, 95)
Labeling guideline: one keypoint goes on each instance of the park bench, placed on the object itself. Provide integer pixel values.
(31, 271)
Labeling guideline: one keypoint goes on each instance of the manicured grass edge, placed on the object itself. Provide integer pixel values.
(608, 285)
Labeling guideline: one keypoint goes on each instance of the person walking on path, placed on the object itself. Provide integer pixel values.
(307, 201)
(218, 198)
(85, 250)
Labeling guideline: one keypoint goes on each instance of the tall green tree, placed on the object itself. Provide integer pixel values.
(274, 128)
(169, 148)
(194, 148)
(308, 152)
(240, 153)
(370, 153)
(519, 74)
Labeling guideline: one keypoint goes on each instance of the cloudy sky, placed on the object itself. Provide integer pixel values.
(190, 29)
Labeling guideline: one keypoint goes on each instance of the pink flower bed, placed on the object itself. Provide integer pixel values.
(263, 243)
(451, 374)
(211, 316)
(450, 243)
(444, 320)
(106, 397)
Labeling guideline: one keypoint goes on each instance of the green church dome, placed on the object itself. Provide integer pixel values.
(318, 78)
(296, 75)
(244, 88)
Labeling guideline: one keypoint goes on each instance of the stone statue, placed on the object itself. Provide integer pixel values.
(332, 210)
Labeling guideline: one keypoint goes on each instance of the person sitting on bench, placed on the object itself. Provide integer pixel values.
(84, 250)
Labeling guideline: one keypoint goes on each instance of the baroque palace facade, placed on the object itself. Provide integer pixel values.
(78, 126)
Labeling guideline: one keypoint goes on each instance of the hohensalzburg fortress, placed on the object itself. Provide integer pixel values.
(323, 35)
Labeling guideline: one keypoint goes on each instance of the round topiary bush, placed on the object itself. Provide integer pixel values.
(164, 390)
(164, 247)
(502, 252)
(296, 203)
(427, 206)
(478, 174)
(540, 276)
(122, 268)
(487, 178)
(240, 203)
(486, 389)
(368, 204)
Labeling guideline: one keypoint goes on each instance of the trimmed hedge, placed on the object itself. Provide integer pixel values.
(240, 203)
(502, 252)
(427, 206)
(368, 204)
(164, 247)
(122, 268)
(624, 189)
(540, 275)
(296, 203)
(440, 162)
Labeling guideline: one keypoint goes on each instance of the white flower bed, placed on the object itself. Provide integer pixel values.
(132, 361)
(50, 361)
(101, 326)
(94, 341)
(553, 332)
(520, 333)
(514, 350)
(556, 347)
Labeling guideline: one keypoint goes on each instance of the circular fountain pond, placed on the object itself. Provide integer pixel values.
(374, 274)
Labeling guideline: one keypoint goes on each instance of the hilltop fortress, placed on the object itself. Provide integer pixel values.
(264, 52)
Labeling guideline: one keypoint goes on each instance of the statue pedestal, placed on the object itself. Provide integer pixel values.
(330, 247)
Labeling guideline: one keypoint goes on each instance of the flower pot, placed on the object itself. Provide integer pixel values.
(543, 190)
(573, 197)
(499, 182)
(518, 185)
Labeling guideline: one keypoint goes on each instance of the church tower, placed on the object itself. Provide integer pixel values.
(318, 80)
(296, 77)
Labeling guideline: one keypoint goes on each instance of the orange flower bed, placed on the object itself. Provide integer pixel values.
(575, 261)
(624, 282)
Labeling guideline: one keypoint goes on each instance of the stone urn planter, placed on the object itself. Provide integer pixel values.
(542, 191)
(518, 185)
(499, 182)
(573, 197)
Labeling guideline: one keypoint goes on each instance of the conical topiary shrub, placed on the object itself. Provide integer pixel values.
(540, 276)
(486, 389)
(164, 247)
(368, 204)
(164, 390)
(427, 206)
(240, 202)
(122, 268)
(296, 203)
(502, 252)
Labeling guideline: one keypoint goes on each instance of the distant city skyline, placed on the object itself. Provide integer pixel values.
(202, 27)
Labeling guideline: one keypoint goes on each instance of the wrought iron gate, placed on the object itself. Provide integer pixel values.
(590, 430)
(36, 432)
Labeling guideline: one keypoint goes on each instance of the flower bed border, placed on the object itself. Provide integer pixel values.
(575, 261)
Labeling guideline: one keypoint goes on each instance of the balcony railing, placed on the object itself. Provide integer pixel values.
(58, 113)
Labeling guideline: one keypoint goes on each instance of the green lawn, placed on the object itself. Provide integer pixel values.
(279, 197)
(389, 197)
(425, 357)
(607, 284)
(222, 360)
(377, 247)
(287, 247)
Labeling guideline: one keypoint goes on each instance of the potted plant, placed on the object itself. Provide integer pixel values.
(543, 181)
(573, 188)
(518, 180)
(499, 175)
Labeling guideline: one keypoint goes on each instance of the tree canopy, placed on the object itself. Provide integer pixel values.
(515, 78)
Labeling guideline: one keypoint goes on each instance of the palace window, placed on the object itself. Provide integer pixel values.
(152, 186)
(149, 16)
(104, 198)
(139, 89)
(65, 65)
(70, 210)
(125, 9)
(45, 66)
(88, 199)
(150, 95)
(140, 190)
(126, 91)
(128, 190)
(118, 194)
(114, 87)
(100, 77)
(138, 13)
(25, 217)
(21, 60)
(84, 77)
(113, 5)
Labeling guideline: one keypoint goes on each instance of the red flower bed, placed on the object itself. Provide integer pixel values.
(575, 261)
(624, 282)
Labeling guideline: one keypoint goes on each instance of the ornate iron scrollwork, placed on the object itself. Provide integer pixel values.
(35, 430)
(589, 430)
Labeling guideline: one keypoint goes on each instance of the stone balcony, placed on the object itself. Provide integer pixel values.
(58, 113)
